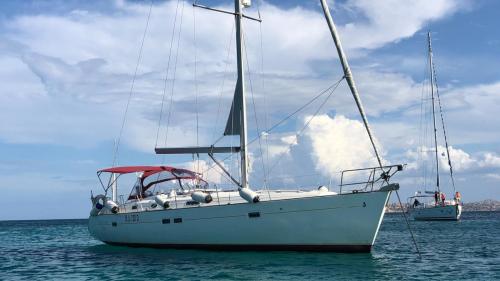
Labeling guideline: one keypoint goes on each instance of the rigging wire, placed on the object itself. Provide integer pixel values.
(220, 94)
(423, 129)
(255, 114)
(444, 129)
(196, 90)
(266, 111)
(115, 153)
(222, 85)
(277, 124)
(173, 78)
(166, 75)
(306, 125)
(303, 106)
(433, 112)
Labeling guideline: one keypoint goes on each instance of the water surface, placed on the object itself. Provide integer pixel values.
(63, 250)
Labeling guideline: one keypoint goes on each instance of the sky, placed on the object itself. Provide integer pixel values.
(68, 69)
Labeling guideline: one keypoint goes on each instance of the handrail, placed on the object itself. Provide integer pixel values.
(387, 172)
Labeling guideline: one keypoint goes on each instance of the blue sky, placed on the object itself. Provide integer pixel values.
(67, 68)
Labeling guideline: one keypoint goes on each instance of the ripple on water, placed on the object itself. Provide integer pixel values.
(63, 249)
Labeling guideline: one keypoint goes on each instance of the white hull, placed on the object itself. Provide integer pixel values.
(439, 212)
(347, 222)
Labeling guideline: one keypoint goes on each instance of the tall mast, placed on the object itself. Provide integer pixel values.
(241, 85)
(433, 109)
(348, 75)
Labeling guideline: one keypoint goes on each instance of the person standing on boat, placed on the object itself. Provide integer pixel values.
(442, 198)
(436, 198)
(416, 203)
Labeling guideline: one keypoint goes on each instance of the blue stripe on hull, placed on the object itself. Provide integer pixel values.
(304, 248)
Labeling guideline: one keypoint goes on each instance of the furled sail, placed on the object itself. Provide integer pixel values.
(233, 125)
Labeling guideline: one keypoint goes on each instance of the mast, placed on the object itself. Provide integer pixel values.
(236, 123)
(348, 75)
(241, 85)
(433, 110)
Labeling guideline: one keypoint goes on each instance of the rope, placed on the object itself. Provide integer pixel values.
(115, 154)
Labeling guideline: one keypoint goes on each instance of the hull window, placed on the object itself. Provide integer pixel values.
(177, 220)
(165, 221)
(114, 224)
(254, 214)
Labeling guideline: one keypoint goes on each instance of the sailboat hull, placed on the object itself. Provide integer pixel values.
(448, 212)
(342, 223)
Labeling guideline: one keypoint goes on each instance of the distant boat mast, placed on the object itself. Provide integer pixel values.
(433, 80)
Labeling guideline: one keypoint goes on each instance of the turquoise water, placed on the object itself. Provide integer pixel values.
(63, 249)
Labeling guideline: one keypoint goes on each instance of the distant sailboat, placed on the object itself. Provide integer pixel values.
(432, 205)
(193, 214)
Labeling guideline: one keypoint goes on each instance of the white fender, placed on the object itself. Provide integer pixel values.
(202, 197)
(162, 201)
(322, 188)
(249, 195)
(112, 206)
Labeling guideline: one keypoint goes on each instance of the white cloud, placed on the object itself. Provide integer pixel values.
(460, 159)
(339, 143)
(84, 61)
(209, 171)
(490, 160)
(392, 20)
(495, 177)
(328, 146)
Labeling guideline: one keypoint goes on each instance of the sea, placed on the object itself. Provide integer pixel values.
(63, 250)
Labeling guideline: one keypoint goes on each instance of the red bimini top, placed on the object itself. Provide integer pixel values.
(150, 170)
(147, 171)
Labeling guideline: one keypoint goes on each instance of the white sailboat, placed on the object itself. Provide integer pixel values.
(176, 208)
(431, 205)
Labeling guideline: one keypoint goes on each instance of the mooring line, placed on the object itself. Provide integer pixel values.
(408, 225)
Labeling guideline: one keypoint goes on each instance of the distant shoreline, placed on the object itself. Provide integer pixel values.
(390, 211)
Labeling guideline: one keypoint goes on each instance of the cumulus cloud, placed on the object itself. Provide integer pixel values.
(328, 146)
(339, 143)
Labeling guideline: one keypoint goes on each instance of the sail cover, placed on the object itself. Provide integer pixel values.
(233, 125)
